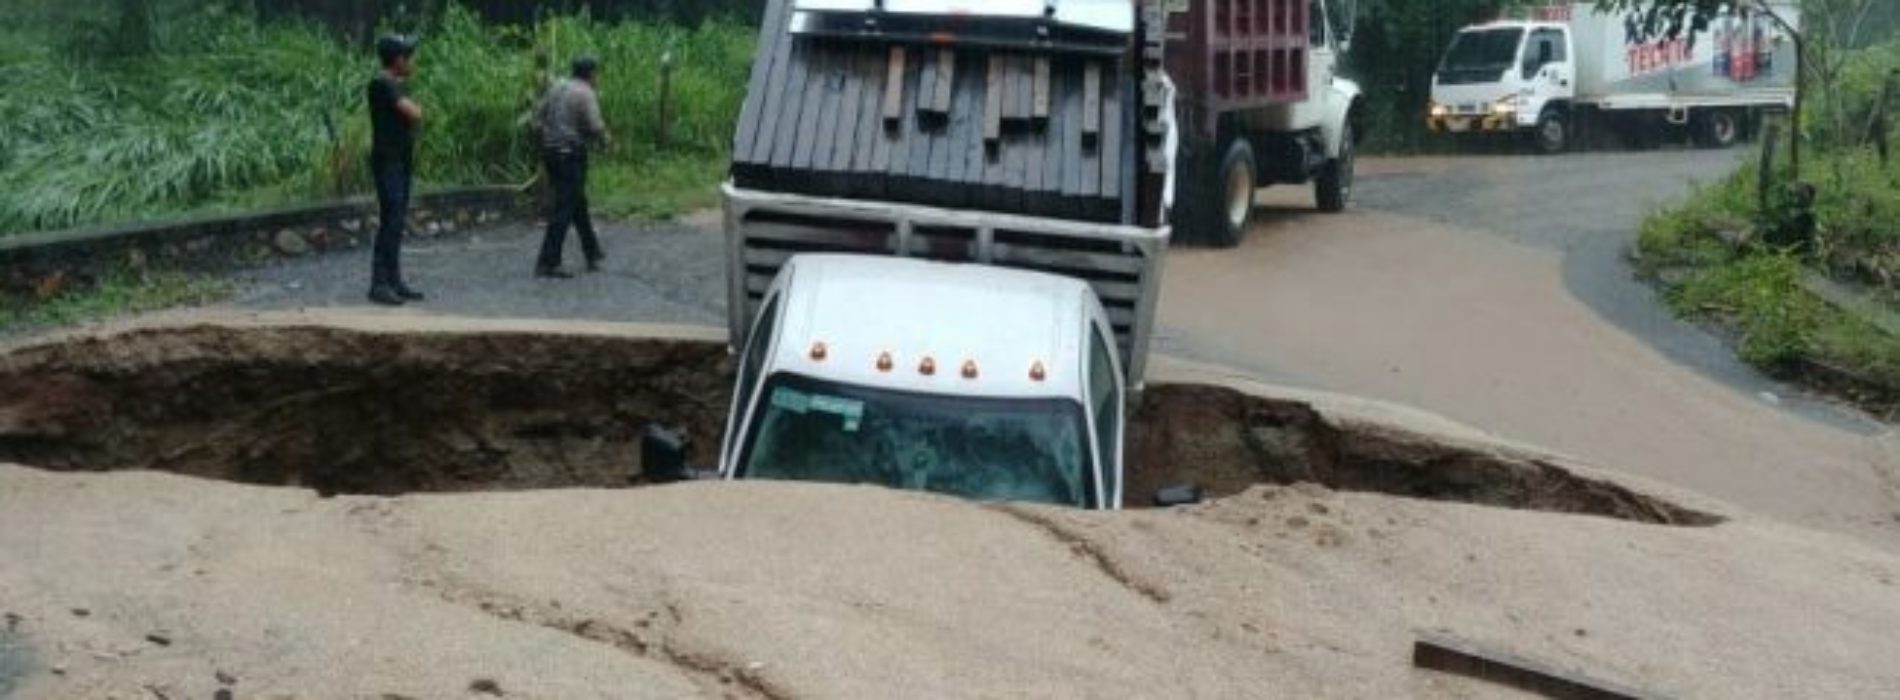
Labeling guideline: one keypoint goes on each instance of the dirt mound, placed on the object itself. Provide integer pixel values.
(344, 410)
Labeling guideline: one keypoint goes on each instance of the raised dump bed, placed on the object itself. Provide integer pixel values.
(1000, 118)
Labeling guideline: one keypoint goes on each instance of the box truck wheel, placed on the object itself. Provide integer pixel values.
(1553, 133)
(1720, 128)
(1333, 187)
(1238, 187)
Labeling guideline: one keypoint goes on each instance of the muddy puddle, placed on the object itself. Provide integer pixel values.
(346, 411)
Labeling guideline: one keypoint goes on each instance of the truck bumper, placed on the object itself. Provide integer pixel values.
(1470, 123)
(1122, 263)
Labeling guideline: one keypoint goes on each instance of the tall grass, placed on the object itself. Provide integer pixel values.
(231, 112)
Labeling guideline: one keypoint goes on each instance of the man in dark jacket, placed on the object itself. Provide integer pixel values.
(393, 119)
(569, 121)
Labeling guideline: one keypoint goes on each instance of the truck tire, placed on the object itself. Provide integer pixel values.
(1237, 183)
(1333, 187)
(1553, 133)
(1719, 128)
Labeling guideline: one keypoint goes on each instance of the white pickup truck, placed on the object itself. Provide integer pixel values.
(967, 380)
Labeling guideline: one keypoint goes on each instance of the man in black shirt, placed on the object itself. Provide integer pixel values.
(393, 119)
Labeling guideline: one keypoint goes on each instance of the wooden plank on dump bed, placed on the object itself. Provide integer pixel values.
(1111, 150)
(750, 114)
(814, 116)
(894, 88)
(993, 100)
(946, 79)
(926, 80)
(1053, 134)
(966, 134)
(773, 109)
(1022, 79)
(1091, 100)
(870, 130)
(845, 138)
(785, 136)
(938, 172)
(1072, 121)
(1040, 110)
(835, 86)
(896, 151)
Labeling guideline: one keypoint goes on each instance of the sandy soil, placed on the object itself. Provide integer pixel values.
(140, 585)
(1485, 331)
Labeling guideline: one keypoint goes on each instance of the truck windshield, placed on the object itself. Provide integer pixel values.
(1480, 55)
(984, 449)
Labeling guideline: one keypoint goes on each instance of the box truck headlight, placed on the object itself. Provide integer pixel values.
(1507, 105)
(1439, 110)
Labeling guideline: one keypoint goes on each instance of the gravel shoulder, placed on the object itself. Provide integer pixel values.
(657, 273)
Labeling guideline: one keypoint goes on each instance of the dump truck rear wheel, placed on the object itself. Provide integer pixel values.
(1237, 184)
(1333, 187)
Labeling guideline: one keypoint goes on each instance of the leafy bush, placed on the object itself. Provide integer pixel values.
(1762, 296)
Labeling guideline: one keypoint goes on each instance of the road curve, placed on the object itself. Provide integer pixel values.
(1493, 290)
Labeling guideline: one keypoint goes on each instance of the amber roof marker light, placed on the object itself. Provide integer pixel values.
(884, 362)
(928, 367)
(819, 352)
(1037, 372)
(969, 369)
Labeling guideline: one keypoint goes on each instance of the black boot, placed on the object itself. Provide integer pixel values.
(553, 273)
(385, 295)
(407, 292)
(382, 286)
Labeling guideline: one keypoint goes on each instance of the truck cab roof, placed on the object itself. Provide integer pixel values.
(1514, 24)
(876, 321)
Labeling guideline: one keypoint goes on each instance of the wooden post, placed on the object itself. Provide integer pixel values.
(1877, 123)
(666, 100)
(1765, 180)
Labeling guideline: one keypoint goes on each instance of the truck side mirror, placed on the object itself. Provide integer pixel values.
(1347, 21)
(663, 456)
(1178, 495)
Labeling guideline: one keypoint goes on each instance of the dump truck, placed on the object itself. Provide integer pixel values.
(940, 212)
(1568, 69)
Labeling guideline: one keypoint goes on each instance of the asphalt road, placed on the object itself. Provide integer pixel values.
(1494, 290)
(1490, 289)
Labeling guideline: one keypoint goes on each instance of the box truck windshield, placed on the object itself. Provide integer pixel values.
(1480, 56)
(1027, 449)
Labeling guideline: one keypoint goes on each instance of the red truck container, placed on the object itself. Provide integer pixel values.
(1231, 55)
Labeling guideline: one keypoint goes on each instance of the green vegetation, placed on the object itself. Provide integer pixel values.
(1721, 256)
(225, 112)
(122, 292)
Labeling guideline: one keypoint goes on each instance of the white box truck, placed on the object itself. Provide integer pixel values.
(1570, 67)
